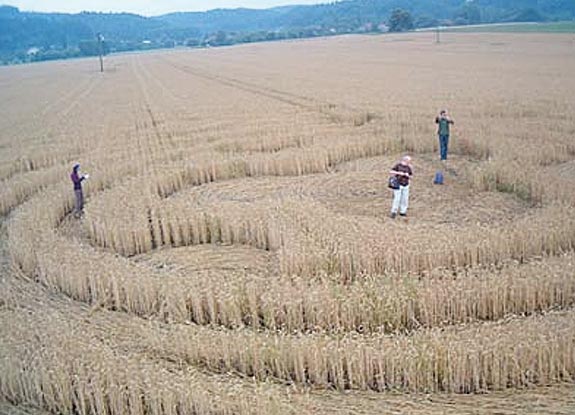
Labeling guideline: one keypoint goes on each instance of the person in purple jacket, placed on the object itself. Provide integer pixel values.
(77, 179)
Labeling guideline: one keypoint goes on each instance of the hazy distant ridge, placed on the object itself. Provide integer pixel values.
(26, 36)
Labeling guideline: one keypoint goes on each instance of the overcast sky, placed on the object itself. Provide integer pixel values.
(145, 7)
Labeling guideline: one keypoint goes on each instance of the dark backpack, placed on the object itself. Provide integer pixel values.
(393, 183)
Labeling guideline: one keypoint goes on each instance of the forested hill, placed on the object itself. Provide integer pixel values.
(29, 36)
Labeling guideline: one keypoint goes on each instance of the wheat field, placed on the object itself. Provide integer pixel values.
(236, 254)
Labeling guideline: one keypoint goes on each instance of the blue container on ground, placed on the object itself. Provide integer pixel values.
(438, 177)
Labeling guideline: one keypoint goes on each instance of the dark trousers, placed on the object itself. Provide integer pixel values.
(443, 144)
(79, 205)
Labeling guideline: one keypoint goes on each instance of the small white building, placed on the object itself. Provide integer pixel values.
(382, 27)
(33, 51)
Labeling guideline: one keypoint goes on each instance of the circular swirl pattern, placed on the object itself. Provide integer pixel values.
(236, 228)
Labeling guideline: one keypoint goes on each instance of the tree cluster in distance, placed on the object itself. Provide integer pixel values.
(30, 36)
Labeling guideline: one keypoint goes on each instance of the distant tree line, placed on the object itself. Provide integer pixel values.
(28, 36)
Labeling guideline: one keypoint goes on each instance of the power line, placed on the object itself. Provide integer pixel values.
(101, 50)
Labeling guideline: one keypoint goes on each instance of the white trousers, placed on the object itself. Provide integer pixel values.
(400, 200)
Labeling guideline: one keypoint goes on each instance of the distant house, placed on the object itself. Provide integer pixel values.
(368, 27)
(382, 27)
(33, 51)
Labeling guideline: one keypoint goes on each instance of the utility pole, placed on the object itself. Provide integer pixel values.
(101, 51)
